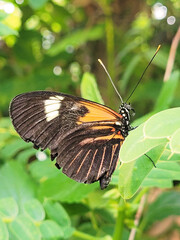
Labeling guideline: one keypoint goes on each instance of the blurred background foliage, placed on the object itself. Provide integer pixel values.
(49, 45)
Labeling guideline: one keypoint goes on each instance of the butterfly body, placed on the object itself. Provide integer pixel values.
(84, 137)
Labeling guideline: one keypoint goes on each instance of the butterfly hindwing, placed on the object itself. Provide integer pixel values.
(81, 134)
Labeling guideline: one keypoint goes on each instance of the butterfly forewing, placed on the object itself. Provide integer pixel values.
(82, 135)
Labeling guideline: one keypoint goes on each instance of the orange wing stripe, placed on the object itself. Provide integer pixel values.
(98, 113)
(117, 136)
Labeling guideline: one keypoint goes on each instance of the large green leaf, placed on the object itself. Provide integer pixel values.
(137, 144)
(162, 124)
(89, 88)
(155, 131)
(132, 174)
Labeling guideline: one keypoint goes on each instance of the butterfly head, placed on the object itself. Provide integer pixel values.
(126, 111)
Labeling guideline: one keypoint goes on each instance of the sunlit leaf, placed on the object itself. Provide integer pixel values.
(4, 235)
(132, 174)
(23, 228)
(34, 209)
(162, 124)
(6, 31)
(8, 208)
(136, 144)
(175, 142)
(51, 230)
(89, 88)
(155, 131)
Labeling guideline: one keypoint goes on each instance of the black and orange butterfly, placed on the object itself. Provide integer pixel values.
(85, 137)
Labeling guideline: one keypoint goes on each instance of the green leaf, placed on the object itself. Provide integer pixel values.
(12, 148)
(163, 175)
(64, 189)
(166, 170)
(34, 209)
(23, 228)
(6, 31)
(138, 144)
(174, 142)
(48, 170)
(169, 155)
(132, 174)
(25, 155)
(160, 183)
(4, 235)
(76, 39)
(89, 88)
(50, 230)
(162, 124)
(154, 132)
(167, 204)
(37, 4)
(8, 209)
(56, 212)
(129, 71)
(167, 92)
(15, 183)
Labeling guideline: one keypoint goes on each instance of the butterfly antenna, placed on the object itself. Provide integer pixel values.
(99, 60)
(143, 73)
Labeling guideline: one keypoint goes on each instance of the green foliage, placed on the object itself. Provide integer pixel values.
(54, 45)
(89, 88)
(37, 4)
(6, 31)
(162, 208)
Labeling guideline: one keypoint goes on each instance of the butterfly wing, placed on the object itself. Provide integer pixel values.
(83, 136)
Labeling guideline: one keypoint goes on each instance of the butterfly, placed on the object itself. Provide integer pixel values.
(83, 136)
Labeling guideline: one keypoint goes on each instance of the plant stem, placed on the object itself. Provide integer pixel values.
(81, 235)
(118, 232)
(137, 217)
(93, 220)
